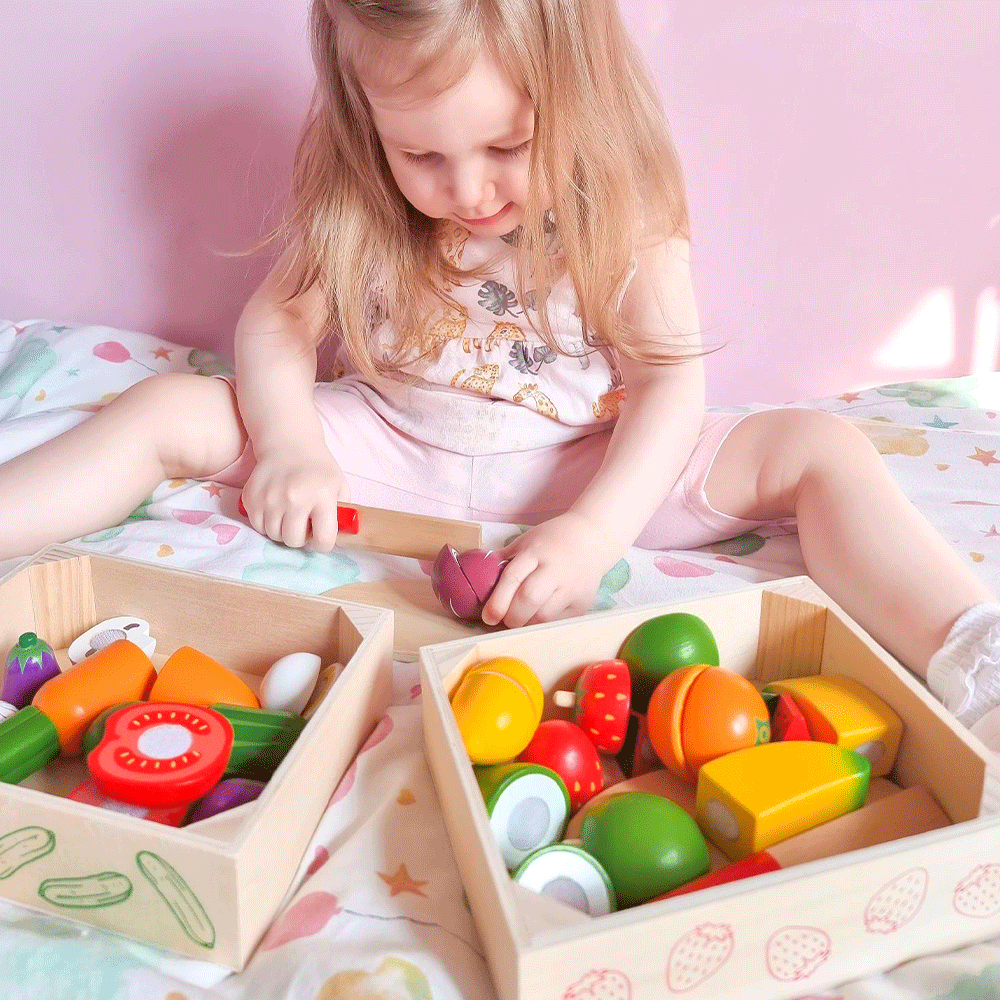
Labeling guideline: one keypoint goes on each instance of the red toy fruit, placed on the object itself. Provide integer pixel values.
(787, 721)
(563, 747)
(161, 754)
(601, 703)
(463, 581)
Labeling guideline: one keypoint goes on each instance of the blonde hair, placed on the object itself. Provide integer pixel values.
(601, 160)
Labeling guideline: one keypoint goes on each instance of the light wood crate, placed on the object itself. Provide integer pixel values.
(940, 889)
(239, 864)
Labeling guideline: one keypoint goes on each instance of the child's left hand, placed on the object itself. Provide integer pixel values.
(554, 572)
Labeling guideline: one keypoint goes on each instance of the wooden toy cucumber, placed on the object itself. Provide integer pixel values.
(177, 894)
(20, 847)
(261, 740)
(28, 741)
(86, 892)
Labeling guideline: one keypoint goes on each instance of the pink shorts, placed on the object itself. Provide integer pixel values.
(385, 467)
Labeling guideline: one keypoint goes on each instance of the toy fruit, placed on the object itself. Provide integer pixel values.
(106, 632)
(601, 703)
(89, 792)
(28, 666)
(663, 644)
(463, 581)
(563, 746)
(72, 700)
(497, 705)
(226, 795)
(699, 713)
(289, 682)
(191, 677)
(161, 754)
(571, 875)
(787, 720)
(646, 844)
(528, 807)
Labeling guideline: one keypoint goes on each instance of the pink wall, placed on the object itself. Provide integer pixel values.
(843, 161)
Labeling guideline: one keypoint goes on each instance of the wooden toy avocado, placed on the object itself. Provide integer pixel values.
(701, 712)
(753, 798)
(645, 843)
(563, 746)
(839, 710)
(497, 705)
(528, 807)
(571, 875)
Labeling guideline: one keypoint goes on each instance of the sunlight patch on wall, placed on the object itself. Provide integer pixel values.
(925, 338)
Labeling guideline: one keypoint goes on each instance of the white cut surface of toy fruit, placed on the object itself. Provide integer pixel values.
(897, 902)
(600, 984)
(700, 953)
(795, 953)
(978, 894)
(289, 682)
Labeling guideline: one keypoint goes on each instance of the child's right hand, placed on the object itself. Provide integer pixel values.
(292, 495)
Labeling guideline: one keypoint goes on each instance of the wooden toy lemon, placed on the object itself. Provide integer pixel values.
(497, 705)
(664, 644)
(701, 712)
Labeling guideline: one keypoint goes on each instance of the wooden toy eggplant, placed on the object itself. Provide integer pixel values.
(226, 795)
(28, 666)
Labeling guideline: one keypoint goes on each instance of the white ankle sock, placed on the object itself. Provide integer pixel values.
(965, 672)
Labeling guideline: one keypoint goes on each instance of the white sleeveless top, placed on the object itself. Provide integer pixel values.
(495, 385)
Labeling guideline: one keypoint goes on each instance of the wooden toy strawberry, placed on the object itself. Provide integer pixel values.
(563, 747)
(601, 703)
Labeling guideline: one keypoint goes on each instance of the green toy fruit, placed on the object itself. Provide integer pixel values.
(646, 844)
(662, 645)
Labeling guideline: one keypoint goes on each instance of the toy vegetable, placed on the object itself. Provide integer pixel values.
(192, 677)
(601, 703)
(568, 874)
(226, 795)
(28, 666)
(463, 581)
(289, 682)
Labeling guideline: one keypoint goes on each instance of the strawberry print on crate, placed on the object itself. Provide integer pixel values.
(697, 955)
(600, 984)
(897, 902)
(978, 894)
(795, 953)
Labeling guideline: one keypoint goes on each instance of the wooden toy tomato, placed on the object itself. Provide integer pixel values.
(601, 703)
(701, 712)
(161, 754)
(563, 747)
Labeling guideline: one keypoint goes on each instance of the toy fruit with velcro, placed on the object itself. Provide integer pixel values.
(664, 644)
(839, 710)
(497, 705)
(161, 753)
(699, 713)
(463, 581)
(601, 703)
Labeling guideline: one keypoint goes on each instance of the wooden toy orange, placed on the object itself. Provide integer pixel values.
(193, 678)
(73, 699)
(701, 712)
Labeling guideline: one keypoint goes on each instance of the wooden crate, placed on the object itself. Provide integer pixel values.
(237, 865)
(540, 949)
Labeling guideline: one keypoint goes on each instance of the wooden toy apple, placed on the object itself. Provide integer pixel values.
(564, 747)
(661, 645)
(601, 703)
(701, 712)
(463, 581)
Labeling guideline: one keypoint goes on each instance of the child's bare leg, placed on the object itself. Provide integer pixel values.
(863, 542)
(93, 476)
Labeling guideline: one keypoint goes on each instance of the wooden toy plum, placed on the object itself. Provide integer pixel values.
(663, 644)
(89, 792)
(226, 795)
(699, 713)
(108, 631)
(463, 581)
(528, 807)
(289, 682)
(839, 710)
(563, 746)
(192, 677)
(161, 754)
(571, 875)
(28, 666)
(497, 705)
(751, 799)
(601, 703)
(645, 843)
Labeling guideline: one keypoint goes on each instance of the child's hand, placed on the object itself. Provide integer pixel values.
(554, 572)
(292, 494)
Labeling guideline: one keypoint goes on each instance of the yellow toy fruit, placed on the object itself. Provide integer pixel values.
(497, 705)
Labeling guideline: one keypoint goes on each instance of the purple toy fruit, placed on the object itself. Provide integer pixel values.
(464, 581)
(29, 665)
(227, 794)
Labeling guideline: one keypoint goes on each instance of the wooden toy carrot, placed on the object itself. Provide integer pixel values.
(194, 678)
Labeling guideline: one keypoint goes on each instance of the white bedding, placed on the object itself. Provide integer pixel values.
(378, 909)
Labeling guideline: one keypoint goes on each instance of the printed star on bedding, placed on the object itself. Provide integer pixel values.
(992, 533)
(938, 424)
(986, 457)
(162, 353)
(213, 490)
(401, 881)
(850, 397)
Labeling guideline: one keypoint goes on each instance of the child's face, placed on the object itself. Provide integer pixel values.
(464, 154)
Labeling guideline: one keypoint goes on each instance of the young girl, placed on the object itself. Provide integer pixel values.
(490, 219)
